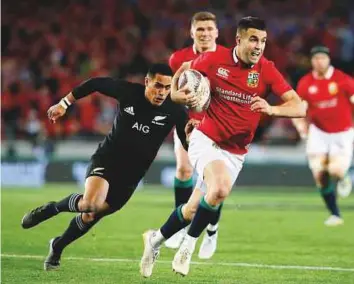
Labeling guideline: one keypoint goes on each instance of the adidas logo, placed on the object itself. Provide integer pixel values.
(129, 110)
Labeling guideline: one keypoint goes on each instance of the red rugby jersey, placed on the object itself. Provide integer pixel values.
(229, 120)
(328, 99)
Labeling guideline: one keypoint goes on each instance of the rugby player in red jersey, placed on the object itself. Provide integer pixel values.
(329, 95)
(239, 80)
(204, 33)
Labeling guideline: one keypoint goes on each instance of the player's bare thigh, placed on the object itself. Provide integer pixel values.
(319, 167)
(184, 169)
(338, 165)
(96, 189)
(218, 181)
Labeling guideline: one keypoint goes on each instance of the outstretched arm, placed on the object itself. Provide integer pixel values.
(104, 85)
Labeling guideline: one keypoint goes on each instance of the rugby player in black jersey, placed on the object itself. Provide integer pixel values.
(146, 116)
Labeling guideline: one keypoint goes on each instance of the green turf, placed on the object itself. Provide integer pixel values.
(257, 227)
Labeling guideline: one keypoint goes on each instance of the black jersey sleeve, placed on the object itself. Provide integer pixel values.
(114, 88)
(181, 121)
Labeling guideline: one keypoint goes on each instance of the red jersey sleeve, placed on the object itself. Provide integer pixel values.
(203, 62)
(301, 89)
(276, 80)
(174, 62)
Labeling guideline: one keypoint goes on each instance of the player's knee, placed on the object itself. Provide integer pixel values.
(317, 164)
(336, 171)
(94, 205)
(220, 189)
(88, 217)
(184, 172)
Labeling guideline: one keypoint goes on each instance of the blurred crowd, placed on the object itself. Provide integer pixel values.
(48, 47)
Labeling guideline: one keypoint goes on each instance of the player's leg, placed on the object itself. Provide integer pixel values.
(324, 182)
(179, 219)
(118, 194)
(340, 158)
(183, 186)
(96, 189)
(209, 242)
(183, 183)
(91, 201)
(77, 228)
(340, 161)
(338, 166)
(219, 170)
(318, 149)
(219, 183)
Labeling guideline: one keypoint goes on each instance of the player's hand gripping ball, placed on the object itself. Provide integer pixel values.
(198, 86)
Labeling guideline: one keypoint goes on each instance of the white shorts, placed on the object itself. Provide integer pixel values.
(177, 144)
(321, 142)
(202, 150)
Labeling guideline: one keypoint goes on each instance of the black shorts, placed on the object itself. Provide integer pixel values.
(123, 178)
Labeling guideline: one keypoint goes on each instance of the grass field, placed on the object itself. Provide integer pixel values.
(265, 237)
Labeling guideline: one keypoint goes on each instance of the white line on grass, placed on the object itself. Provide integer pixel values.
(240, 264)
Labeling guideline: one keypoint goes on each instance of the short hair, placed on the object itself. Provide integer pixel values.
(319, 49)
(203, 16)
(159, 68)
(251, 22)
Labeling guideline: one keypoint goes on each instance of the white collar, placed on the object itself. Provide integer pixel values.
(328, 74)
(234, 56)
(196, 52)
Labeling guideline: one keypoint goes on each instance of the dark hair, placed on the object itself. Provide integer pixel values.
(319, 49)
(251, 22)
(203, 16)
(159, 68)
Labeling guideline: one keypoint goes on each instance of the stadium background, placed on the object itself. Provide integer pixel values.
(48, 47)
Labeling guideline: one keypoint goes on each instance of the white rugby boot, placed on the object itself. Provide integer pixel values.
(150, 255)
(208, 246)
(175, 241)
(344, 186)
(334, 221)
(183, 256)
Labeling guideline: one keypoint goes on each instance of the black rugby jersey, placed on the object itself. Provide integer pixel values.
(139, 128)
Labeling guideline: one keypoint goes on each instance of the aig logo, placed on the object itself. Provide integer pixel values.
(222, 72)
(141, 127)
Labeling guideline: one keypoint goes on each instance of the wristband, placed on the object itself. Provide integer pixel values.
(65, 103)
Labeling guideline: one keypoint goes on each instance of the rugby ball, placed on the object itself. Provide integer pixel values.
(198, 85)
